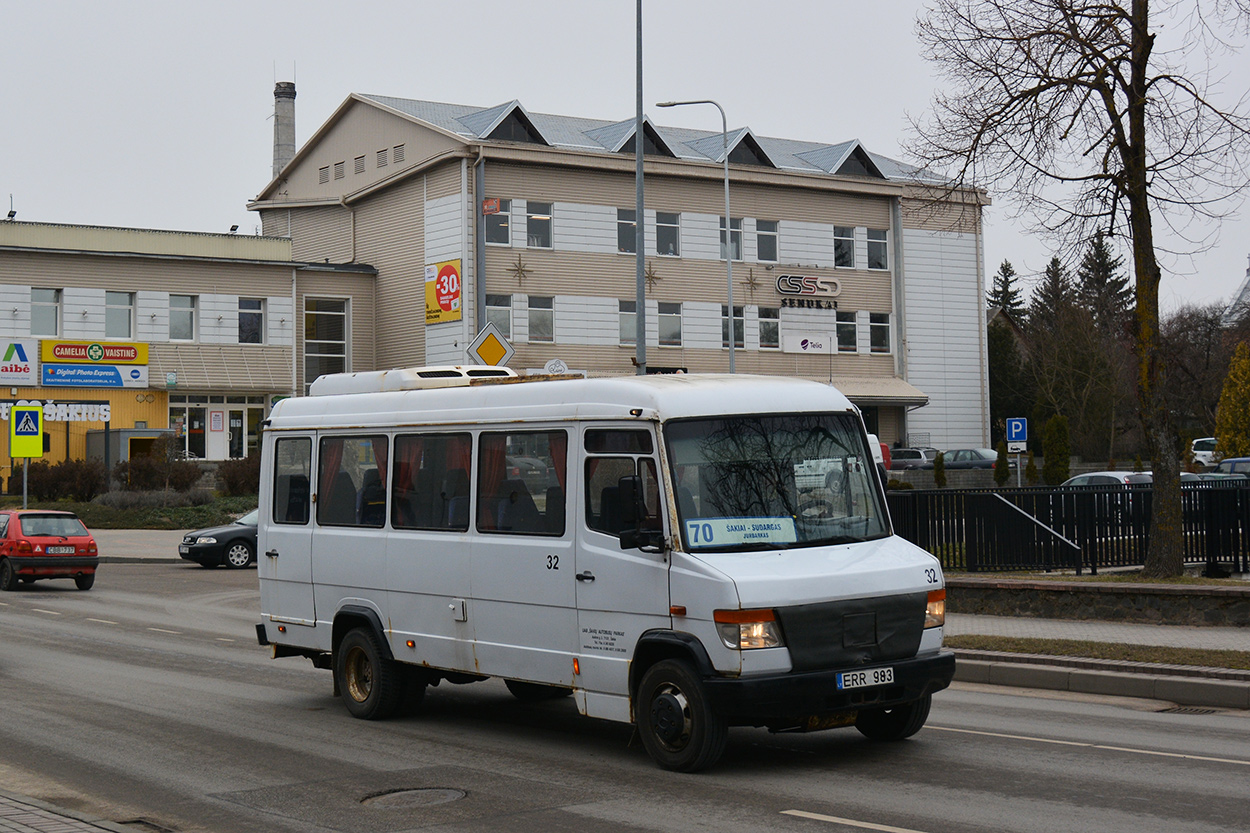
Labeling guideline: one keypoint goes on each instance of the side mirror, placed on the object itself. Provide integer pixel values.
(630, 511)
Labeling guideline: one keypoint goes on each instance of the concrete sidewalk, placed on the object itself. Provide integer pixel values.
(128, 546)
(22, 814)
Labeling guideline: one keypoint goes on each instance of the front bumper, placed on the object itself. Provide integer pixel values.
(202, 553)
(783, 700)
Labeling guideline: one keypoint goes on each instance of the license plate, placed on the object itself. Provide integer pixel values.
(869, 677)
(60, 550)
(183, 550)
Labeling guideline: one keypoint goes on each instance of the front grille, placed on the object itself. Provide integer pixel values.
(853, 632)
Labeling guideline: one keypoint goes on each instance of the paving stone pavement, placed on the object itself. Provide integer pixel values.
(1173, 636)
(19, 814)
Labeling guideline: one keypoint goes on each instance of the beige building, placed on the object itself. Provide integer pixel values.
(844, 268)
(140, 331)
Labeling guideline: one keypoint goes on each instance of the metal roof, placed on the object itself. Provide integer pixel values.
(605, 136)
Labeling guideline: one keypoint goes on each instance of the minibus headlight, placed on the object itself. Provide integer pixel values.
(935, 610)
(206, 540)
(747, 629)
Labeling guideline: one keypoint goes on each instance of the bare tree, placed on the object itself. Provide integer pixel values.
(1066, 107)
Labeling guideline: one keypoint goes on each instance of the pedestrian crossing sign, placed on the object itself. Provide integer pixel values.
(26, 431)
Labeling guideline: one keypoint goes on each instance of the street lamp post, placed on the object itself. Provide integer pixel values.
(729, 255)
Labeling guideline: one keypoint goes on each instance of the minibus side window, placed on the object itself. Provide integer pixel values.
(430, 489)
(351, 481)
(521, 482)
(602, 504)
(292, 461)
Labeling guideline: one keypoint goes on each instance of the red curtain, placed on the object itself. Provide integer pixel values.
(558, 443)
(379, 455)
(331, 458)
(490, 475)
(407, 459)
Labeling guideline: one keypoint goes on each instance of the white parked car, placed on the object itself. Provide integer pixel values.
(1204, 451)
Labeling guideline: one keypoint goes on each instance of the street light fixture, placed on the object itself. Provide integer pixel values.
(729, 255)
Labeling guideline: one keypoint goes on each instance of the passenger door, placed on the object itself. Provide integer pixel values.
(524, 622)
(284, 557)
(620, 593)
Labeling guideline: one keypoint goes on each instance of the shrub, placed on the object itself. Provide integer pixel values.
(1002, 469)
(939, 470)
(898, 484)
(1056, 451)
(80, 479)
(130, 500)
(240, 477)
(41, 483)
(1030, 471)
(158, 471)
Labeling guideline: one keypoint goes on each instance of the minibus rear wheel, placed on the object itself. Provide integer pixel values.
(894, 724)
(371, 685)
(678, 727)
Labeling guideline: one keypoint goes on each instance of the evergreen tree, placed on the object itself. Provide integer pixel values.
(1232, 419)
(1102, 289)
(1052, 297)
(1056, 451)
(1002, 468)
(1004, 294)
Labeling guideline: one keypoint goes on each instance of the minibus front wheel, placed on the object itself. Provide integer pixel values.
(371, 685)
(677, 724)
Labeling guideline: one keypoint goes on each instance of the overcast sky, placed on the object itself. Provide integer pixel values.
(158, 114)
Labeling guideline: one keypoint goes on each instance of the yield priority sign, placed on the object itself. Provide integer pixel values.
(490, 347)
(26, 431)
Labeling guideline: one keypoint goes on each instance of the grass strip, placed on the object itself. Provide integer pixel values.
(1206, 657)
(1133, 577)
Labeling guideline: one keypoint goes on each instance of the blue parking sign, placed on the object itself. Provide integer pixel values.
(1017, 430)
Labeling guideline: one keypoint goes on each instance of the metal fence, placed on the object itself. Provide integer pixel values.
(1083, 528)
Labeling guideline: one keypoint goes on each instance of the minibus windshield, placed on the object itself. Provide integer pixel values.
(773, 482)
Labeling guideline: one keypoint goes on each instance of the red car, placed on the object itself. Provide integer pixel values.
(36, 544)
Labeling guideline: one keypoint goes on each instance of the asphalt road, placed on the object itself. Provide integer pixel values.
(147, 700)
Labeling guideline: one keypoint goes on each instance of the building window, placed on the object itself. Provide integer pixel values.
(538, 225)
(846, 332)
(45, 312)
(770, 328)
(879, 332)
(251, 321)
(499, 226)
(119, 314)
(323, 175)
(360, 164)
(182, 318)
(844, 246)
(542, 318)
(667, 234)
(626, 230)
(766, 240)
(878, 250)
(338, 169)
(499, 313)
(325, 337)
(381, 157)
(670, 324)
(629, 321)
(397, 154)
(739, 326)
(735, 233)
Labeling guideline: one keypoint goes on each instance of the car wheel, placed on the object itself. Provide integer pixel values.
(238, 555)
(894, 724)
(371, 685)
(8, 576)
(677, 725)
(533, 692)
(84, 581)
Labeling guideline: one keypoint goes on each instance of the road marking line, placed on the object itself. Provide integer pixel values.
(162, 630)
(867, 825)
(102, 621)
(1180, 755)
(223, 639)
(49, 612)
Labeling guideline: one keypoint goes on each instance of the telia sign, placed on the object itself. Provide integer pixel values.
(806, 343)
(20, 364)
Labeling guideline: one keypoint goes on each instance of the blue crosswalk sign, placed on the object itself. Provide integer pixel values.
(1017, 430)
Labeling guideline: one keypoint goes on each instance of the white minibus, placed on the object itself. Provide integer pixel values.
(653, 546)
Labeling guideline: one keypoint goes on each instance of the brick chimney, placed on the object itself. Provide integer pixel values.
(283, 125)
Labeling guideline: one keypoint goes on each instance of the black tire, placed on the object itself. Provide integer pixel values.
(371, 685)
(896, 723)
(8, 576)
(679, 729)
(534, 692)
(84, 581)
(238, 555)
(415, 681)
